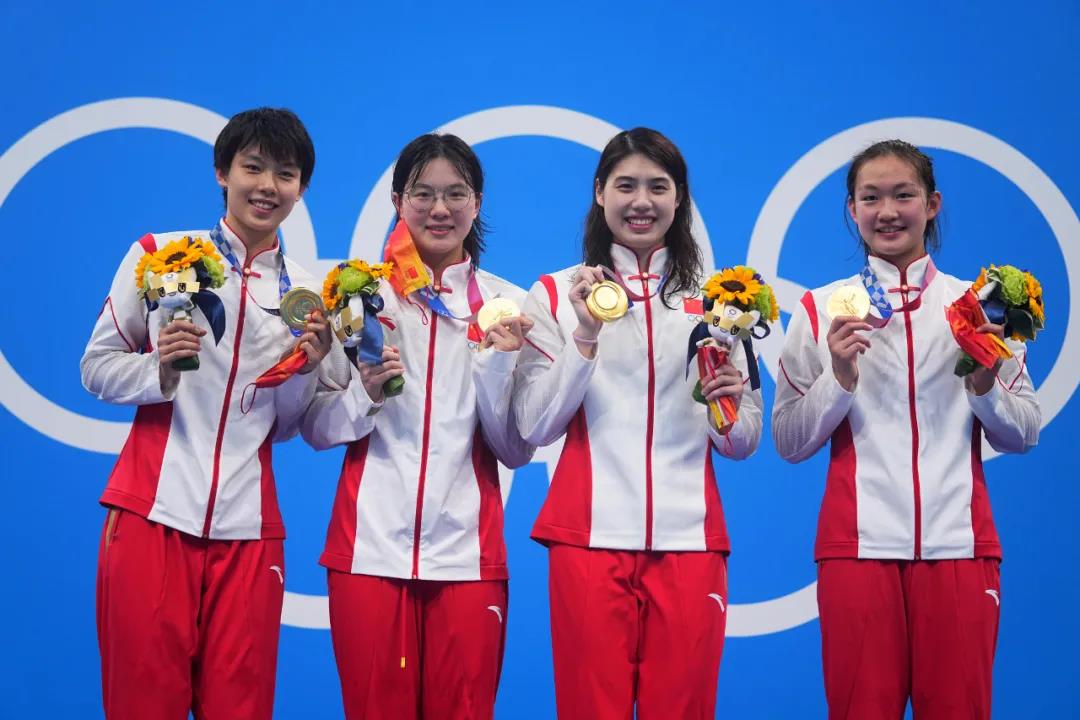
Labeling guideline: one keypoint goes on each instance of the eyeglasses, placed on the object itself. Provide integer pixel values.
(422, 197)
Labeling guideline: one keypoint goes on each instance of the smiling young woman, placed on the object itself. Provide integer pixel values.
(415, 556)
(632, 520)
(908, 581)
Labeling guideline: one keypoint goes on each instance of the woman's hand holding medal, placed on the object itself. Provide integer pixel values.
(589, 325)
(846, 344)
(315, 342)
(508, 334)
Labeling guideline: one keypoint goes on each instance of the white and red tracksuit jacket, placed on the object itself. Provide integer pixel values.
(905, 477)
(419, 490)
(194, 460)
(636, 467)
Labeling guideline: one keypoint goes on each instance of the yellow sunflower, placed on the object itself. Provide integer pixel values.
(330, 295)
(774, 308)
(381, 270)
(734, 284)
(140, 270)
(174, 257)
(1035, 299)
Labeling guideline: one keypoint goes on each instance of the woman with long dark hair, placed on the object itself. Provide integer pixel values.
(415, 555)
(632, 520)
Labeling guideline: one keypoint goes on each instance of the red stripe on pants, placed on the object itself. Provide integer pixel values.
(453, 641)
(891, 629)
(185, 622)
(644, 627)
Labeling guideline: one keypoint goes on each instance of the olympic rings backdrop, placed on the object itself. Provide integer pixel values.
(108, 112)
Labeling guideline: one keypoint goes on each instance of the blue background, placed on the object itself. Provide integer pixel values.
(743, 91)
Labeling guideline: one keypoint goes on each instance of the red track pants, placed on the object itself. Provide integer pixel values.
(894, 629)
(186, 623)
(644, 627)
(411, 649)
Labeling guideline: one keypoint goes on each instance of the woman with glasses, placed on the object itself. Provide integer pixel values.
(415, 555)
(632, 520)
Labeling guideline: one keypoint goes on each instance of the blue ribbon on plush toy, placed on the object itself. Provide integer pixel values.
(701, 332)
(205, 300)
(369, 351)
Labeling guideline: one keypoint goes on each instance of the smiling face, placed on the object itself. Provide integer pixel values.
(891, 208)
(439, 208)
(260, 192)
(639, 201)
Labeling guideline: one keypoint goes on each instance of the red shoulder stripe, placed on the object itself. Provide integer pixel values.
(811, 310)
(149, 244)
(553, 293)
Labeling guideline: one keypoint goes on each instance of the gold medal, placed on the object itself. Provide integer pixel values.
(607, 301)
(296, 304)
(848, 300)
(494, 310)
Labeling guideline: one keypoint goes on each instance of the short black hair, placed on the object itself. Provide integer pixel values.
(275, 131)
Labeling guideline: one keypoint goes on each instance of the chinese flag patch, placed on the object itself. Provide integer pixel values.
(693, 306)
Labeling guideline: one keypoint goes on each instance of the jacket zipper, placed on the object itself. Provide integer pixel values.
(917, 491)
(228, 394)
(650, 409)
(424, 444)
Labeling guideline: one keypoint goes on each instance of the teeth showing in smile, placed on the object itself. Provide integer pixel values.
(639, 222)
(890, 229)
(263, 204)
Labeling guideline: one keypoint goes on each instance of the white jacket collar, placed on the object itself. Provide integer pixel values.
(640, 277)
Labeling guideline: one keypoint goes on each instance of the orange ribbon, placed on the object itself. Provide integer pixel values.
(288, 366)
(724, 411)
(965, 316)
(408, 273)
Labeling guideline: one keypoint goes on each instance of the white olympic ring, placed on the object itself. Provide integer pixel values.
(311, 611)
(788, 196)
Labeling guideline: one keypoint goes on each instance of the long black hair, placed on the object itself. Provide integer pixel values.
(923, 166)
(417, 154)
(685, 269)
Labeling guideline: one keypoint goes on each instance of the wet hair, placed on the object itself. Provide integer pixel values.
(923, 166)
(415, 157)
(685, 266)
(277, 132)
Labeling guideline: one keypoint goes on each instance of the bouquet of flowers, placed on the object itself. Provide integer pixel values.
(1003, 295)
(350, 294)
(179, 277)
(738, 307)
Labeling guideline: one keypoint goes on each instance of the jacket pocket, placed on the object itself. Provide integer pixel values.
(112, 522)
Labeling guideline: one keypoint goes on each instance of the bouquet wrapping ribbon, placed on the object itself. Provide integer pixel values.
(279, 373)
(724, 411)
(965, 316)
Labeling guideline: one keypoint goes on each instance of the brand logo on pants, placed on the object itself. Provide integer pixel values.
(994, 594)
(280, 574)
(719, 601)
(497, 610)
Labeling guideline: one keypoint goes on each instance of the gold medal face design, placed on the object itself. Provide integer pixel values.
(494, 310)
(607, 301)
(296, 304)
(848, 300)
